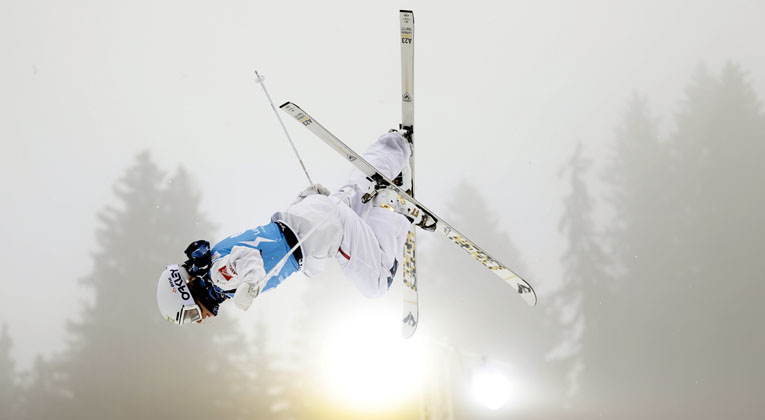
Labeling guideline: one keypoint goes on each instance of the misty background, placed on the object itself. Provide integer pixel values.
(607, 151)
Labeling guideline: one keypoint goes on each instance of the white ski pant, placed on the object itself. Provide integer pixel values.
(365, 240)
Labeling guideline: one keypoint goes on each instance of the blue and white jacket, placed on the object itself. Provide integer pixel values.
(249, 255)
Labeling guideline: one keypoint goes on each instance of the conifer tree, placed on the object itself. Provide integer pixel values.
(468, 308)
(124, 360)
(45, 393)
(686, 242)
(578, 304)
(718, 143)
(8, 384)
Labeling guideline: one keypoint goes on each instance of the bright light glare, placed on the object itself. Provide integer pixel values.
(492, 389)
(369, 366)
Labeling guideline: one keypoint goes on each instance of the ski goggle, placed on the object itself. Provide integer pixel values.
(190, 310)
(191, 313)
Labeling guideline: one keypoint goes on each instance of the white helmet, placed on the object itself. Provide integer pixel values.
(174, 297)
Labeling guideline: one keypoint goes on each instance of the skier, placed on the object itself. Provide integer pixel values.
(364, 238)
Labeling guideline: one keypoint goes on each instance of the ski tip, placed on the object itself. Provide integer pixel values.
(288, 103)
(407, 333)
(528, 294)
(408, 328)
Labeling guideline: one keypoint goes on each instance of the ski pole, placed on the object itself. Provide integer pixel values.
(259, 80)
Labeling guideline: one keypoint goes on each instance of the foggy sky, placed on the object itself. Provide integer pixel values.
(503, 89)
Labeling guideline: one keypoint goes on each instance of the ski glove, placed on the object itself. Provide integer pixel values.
(311, 190)
(245, 294)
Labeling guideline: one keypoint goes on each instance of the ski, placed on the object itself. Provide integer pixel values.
(425, 219)
(410, 308)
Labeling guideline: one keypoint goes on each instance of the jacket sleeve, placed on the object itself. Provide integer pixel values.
(248, 263)
(243, 264)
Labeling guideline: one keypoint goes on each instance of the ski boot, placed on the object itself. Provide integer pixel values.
(389, 199)
(404, 179)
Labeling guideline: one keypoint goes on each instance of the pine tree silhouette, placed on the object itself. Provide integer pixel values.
(124, 361)
(45, 393)
(458, 279)
(8, 384)
(719, 138)
(642, 195)
(577, 305)
(466, 306)
(683, 327)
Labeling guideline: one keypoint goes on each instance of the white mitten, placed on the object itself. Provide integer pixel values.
(244, 295)
(311, 190)
(319, 189)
